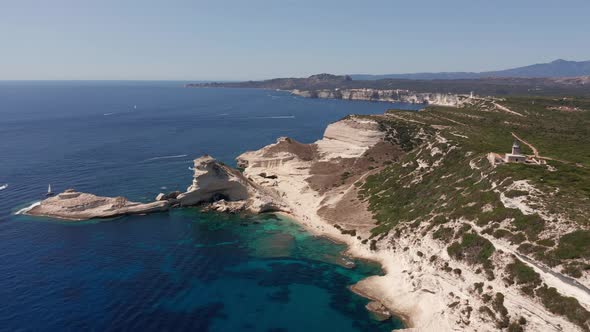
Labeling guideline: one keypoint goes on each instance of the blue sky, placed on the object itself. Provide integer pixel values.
(192, 40)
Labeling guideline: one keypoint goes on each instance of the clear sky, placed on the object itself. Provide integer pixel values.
(254, 39)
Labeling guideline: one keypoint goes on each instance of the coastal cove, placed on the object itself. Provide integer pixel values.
(174, 270)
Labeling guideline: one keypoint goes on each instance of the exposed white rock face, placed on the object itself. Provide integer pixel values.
(225, 188)
(397, 95)
(215, 182)
(349, 138)
(73, 205)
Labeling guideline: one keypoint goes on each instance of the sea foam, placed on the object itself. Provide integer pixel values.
(28, 208)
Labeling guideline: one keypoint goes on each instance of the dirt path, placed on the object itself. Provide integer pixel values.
(506, 109)
(562, 283)
(535, 151)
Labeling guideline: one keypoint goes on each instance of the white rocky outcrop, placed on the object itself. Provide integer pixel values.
(214, 181)
(73, 205)
(215, 185)
(227, 188)
(349, 138)
(397, 95)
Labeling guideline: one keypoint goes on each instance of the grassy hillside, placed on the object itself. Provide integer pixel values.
(445, 188)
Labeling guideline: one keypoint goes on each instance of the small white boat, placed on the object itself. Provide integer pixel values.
(49, 192)
(4, 186)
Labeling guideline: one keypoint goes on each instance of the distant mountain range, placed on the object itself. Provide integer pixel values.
(557, 68)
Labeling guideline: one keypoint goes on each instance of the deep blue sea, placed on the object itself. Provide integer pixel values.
(175, 271)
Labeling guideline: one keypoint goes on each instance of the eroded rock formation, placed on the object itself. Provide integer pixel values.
(73, 205)
(311, 177)
(227, 188)
(215, 186)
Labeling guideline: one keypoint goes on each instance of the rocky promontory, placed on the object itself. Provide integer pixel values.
(215, 186)
(226, 189)
(73, 205)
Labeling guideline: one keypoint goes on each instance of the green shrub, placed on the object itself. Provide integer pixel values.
(500, 233)
(443, 233)
(517, 238)
(531, 225)
(546, 242)
(522, 273)
(473, 248)
(564, 305)
(498, 304)
(515, 327)
(574, 245)
(486, 310)
(524, 276)
(516, 193)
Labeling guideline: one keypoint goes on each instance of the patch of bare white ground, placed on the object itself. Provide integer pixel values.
(349, 138)
(506, 109)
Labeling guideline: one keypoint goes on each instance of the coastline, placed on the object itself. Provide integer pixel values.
(359, 288)
(407, 292)
(420, 286)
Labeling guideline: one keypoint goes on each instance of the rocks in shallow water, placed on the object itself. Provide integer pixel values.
(378, 310)
(226, 207)
(169, 196)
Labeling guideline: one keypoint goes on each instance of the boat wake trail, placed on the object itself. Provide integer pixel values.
(166, 157)
(275, 117)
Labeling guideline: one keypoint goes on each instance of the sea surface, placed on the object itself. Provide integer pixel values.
(174, 271)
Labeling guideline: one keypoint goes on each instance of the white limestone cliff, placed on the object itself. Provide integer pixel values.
(397, 95)
(215, 182)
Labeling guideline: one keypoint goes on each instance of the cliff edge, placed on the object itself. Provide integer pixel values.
(467, 244)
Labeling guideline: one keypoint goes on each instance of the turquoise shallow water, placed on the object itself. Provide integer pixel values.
(174, 271)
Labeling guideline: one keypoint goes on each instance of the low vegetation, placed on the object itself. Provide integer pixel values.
(444, 184)
(565, 306)
(472, 248)
(574, 245)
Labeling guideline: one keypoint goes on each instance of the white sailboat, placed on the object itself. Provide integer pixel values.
(49, 192)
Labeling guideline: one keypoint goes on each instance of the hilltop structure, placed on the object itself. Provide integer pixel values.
(516, 156)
